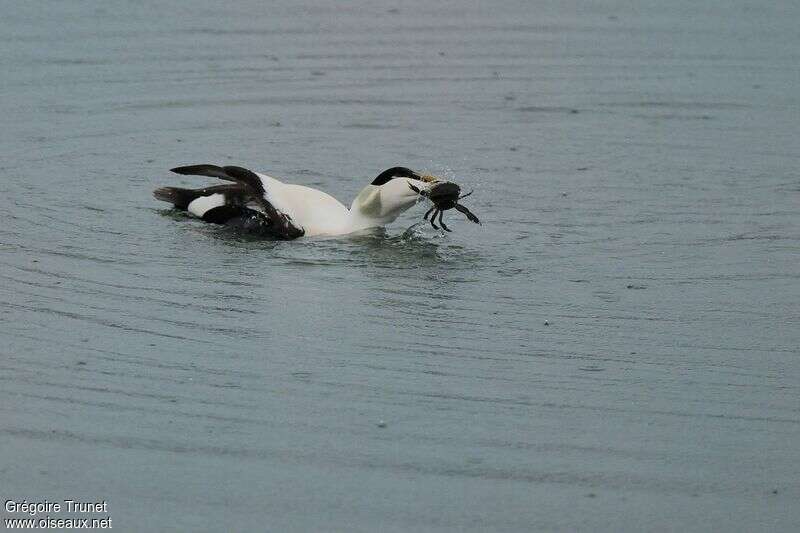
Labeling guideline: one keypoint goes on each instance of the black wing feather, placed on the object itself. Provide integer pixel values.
(212, 171)
(229, 173)
(281, 222)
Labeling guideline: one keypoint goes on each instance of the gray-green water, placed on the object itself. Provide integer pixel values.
(615, 349)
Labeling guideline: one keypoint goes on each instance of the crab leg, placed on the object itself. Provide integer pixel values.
(467, 212)
(429, 212)
(433, 216)
(442, 222)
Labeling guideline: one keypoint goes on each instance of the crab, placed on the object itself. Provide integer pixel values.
(444, 196)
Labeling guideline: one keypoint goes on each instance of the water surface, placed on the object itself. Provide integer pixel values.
(614, 349)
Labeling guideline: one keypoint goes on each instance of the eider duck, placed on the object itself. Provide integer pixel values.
(261, 204)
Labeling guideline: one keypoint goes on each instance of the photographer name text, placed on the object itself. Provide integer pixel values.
(35, 509)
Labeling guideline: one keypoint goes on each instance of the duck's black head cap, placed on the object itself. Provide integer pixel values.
(395, 172)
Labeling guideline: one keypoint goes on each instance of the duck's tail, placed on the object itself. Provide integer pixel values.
(181, 198)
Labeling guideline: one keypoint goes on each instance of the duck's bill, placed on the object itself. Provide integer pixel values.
(423, 183)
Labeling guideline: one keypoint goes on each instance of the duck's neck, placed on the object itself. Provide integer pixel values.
(370, 210)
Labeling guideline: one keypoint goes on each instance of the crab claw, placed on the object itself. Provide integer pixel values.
(417, 190)
(467, 212)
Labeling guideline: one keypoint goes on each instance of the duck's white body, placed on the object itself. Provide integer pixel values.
(303, 210)
(319, 213)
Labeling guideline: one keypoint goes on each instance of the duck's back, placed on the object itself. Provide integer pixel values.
(317, 212)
